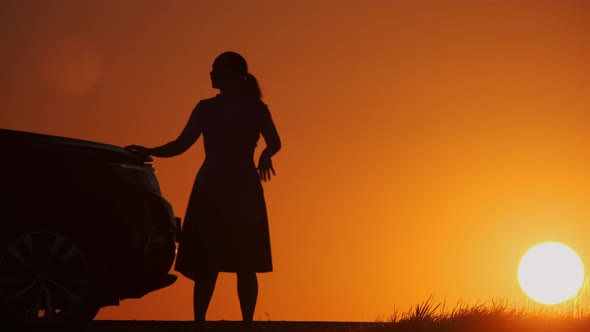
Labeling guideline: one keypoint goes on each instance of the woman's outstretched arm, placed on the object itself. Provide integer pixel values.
(185, 140)
(273, 145)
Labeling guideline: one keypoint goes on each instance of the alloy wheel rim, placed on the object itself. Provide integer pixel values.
(43, 278)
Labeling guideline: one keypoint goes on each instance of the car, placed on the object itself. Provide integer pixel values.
(84, 226)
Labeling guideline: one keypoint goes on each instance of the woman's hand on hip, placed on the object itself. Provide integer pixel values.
(265, 168)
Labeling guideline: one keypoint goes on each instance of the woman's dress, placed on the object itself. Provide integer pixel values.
(225, 228)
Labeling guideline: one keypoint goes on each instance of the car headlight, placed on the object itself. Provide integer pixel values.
(142, 176)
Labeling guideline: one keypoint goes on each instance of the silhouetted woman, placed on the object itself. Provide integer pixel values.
(225, 227)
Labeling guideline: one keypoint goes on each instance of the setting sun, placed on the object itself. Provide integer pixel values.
(550, 273)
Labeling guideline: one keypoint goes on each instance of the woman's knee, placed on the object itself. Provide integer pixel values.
(206, 278)
(247, 276)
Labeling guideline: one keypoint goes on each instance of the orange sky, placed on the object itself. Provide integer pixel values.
(426, 144)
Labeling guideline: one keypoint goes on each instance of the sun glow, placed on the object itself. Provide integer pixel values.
(550, 273)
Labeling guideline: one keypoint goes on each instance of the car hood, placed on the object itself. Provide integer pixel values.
(16, 137)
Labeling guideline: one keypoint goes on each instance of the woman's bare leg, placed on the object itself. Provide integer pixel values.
(202, 295)
(248, 294)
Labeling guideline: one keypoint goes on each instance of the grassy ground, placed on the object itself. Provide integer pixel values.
(430, 315)
(231, 326)
(483, 324)
(494, 315)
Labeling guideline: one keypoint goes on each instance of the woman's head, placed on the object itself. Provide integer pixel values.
(230, 70)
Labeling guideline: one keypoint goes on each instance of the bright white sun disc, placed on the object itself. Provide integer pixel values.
(551, 273)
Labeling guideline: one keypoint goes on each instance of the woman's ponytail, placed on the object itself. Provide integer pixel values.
(251, 87)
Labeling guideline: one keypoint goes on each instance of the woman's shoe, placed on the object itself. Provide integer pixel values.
(201, 327)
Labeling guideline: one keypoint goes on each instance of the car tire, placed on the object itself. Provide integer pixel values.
(45, 283)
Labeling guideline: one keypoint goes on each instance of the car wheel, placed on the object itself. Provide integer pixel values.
(44, 281)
